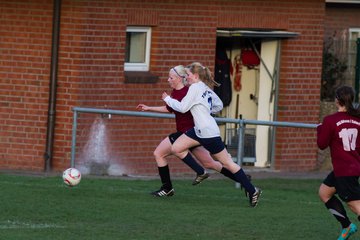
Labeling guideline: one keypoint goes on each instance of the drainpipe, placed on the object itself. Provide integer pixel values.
(53, 86)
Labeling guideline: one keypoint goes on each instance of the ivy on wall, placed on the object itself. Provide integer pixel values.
(333, 70)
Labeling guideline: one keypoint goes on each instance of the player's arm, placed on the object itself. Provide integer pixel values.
(161, 109)
(323, 134)
(186, 103)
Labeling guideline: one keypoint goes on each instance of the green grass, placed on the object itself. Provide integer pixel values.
(102, 208)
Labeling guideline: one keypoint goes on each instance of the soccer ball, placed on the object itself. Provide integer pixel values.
(71, 177)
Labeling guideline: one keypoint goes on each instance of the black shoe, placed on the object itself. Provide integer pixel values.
(254, 198)
(162, 192)
(200, 178)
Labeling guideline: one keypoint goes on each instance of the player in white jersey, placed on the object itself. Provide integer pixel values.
(184, 122)
(202, 101)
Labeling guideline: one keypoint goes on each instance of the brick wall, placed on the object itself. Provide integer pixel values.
(339, 18)
(91, 59)
(25, 46)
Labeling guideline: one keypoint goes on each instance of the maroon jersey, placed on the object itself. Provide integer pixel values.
(184, 121)
(341, 132)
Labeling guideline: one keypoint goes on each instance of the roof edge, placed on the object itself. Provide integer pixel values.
(343, 1)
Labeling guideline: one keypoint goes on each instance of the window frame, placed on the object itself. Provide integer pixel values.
(140, 67)
(351, 63)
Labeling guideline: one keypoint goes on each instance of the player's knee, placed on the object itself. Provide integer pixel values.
(175, 149)
(207, 164)
(158, 154)
(228, 165)
(323, 195)
(211, 164)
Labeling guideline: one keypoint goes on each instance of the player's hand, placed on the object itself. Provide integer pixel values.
(142, 107)
(164, 95)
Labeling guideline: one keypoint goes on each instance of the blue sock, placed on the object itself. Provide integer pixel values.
(190, 161)
(227, 173)
(243, 179)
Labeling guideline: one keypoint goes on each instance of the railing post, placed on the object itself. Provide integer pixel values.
(73, 139)
(240, 150)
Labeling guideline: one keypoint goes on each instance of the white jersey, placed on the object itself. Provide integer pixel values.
(201, 101)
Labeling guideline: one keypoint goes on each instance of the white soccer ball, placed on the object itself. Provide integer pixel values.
(71, 177)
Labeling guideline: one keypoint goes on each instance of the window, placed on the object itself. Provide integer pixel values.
(137, 49)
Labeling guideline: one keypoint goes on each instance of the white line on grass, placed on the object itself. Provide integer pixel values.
(59, 184)
(26, 225)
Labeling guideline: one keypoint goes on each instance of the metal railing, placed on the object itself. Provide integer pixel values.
(240, 122)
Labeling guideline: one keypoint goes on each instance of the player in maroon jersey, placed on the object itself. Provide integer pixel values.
(202, 101)
(340, 132)
(184, 122)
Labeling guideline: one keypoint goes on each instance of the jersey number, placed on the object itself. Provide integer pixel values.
(210, 102)
(349, 136)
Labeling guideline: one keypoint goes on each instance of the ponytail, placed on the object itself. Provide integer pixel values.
(204, 74)
(345, 96)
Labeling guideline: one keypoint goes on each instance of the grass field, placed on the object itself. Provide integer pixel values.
(102, 208)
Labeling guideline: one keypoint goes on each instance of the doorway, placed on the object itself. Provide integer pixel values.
(253, 57)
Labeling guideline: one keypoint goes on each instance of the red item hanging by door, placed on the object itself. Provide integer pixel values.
(249, 58)
(237, 75)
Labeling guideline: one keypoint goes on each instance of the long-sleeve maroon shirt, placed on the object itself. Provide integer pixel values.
(184, 121)
(341, 132)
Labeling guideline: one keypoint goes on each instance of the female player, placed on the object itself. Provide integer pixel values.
(184, 121)
(340, 132)
(199, 100)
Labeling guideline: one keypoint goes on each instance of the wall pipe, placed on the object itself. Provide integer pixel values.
(53, 86)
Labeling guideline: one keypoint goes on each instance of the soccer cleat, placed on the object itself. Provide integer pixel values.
(200, 178)
(162, 192)
(254, 198)
(347, 232)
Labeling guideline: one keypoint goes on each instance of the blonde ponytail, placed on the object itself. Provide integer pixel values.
(204, 74)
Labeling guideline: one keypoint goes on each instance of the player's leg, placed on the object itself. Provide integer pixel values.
(355, 207)
(352, 187)
(327, 191)
(206, 160)
(217, 148)
(239, 175)
(180, 148)
(204, 157)
(161, 152)
(353, 191)
(333, 204)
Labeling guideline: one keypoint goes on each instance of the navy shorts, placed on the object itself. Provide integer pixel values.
(176, 135)
(348, 188)
(213, 145)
